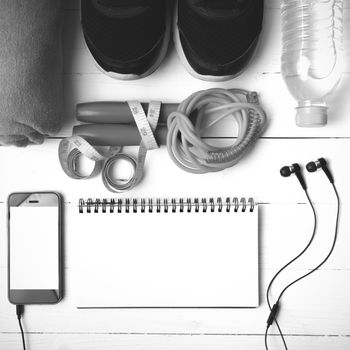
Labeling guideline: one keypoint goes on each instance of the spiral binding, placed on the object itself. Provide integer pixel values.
(165, 205)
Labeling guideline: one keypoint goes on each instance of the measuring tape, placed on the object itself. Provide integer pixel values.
(72, 148)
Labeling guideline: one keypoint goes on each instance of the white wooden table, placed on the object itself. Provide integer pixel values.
(315, 314)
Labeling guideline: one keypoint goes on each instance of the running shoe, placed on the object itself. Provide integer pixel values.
(216, 39)
(128, 39)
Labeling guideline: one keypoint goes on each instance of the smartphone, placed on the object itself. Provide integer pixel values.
(34, 248)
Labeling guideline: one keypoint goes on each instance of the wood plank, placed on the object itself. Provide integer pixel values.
(306, 309)
(257, 175)
(167, 342)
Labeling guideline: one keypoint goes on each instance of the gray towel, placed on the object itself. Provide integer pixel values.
(30, 70)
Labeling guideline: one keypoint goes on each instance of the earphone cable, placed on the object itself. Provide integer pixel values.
(300, 254)
(310, 272)
(280, 332)
(265, 338)
(284, 267)
(330, 251)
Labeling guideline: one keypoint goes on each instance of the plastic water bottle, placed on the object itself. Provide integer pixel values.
(312, 55)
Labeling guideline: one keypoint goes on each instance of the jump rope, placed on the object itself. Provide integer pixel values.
(118, 124)
(286, 172)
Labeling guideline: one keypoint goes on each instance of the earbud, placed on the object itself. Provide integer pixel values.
(321, 163)
(286, 171)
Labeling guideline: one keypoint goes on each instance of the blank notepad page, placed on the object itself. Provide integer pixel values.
(166, 259)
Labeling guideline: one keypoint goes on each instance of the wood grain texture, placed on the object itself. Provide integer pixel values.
(257, 175)
(316, 313)
(306, 310)
(170, 342)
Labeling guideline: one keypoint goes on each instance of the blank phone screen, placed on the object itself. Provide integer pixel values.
(34, 248)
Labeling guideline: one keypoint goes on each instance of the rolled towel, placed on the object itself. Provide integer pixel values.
(30, 71)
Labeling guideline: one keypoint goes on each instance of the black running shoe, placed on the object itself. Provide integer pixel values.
(215, 39)
(127, 38)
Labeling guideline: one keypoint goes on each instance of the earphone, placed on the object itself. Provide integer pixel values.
(311, 167)
(321, 163)
(287, 171)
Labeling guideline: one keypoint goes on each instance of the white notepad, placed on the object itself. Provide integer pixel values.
(166, 254)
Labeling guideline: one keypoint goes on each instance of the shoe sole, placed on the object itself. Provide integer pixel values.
(155, 66)
(186, 64)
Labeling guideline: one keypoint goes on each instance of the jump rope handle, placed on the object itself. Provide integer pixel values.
(116, 134)
(116, 112)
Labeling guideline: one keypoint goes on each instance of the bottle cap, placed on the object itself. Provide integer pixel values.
(311, 116)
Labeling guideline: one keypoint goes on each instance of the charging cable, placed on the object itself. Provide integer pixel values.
(19, 313)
